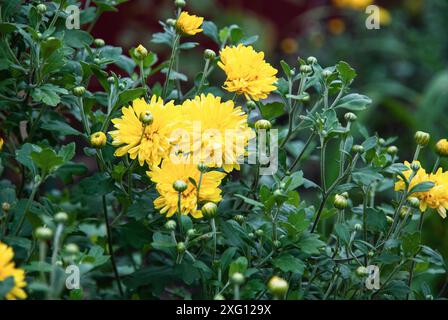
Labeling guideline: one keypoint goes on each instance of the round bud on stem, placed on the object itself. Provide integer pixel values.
(421, 138)
(263, 124)
(79, 91)
(171, 22)
(371, 254)
(306, 69)
(389, 219)
(340, 202)
(98, 140)
(180, 3)
(237, 278)
(350, 117)
(71, 248)
(358, 148)
(141, 52)
(97, 61)
(392, 150)
(202, 167)
(180, 185)
(219, 297)
(110, 80)
(170, 225)
(311, 60)
(259, 233)
(99, 43)
(415, 166)
(251, 105)
(442, 147)
(146, 118)
(326, 73)
(43, 233)
(209, 210)
(239, 218)
(414, 202)
(209, 54)
(381, 141)
(180, 247)
(6, 206)
(277, 244)
(358, 227)
(278, 286)
(191, 232)
(361, 271)
(41, 8)
(61, 217)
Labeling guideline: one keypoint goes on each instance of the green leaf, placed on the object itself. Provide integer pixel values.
(272, 110)
(286, 68)
(60, 128)
(422, 187)
(77, 38)
(6, 286)
(342, 232)
(346, 72)
(354, 102)
(239, 265)
(252, 202)
(46, 160)
(48, 94)
(210, 30)
(410, 242)
(97, 185)
(289, 263)
(129, 95)
(49, 46)
(310, 244)
(24, 155)
(376, 220)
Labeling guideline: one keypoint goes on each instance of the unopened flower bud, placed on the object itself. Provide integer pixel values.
(99, 43)
(41, 8)
(414, 202)
(61, 217)
(259, 232)
(237, 278)
(263, 124)
(6, 206)
(97, 61)
(311, 60)
(180, 185)
(180, 247)
(98, 139)
(340, 202)
(404, 211)
(202, 167)
(209, 210)
(179, 3)
(111, 80)
(141, 52)
(357, 148)
(421, 138)
(358, 227)
(415, 166)
(381, 141)
(146, 118)
(79, 91)
(350, 117)
(371, 254)
(251, 235)
(361, 271)
(306, 69)
(191, 232)
(71, 248)
(305, 97)
(442, 147)
(43, 233)
(171, 22)
(239, 218)
(277, 244)
(219, 297)
(392, 150)
(251, 105)
(170, 225)
(389, 219)
(278, 286)
(209, 54)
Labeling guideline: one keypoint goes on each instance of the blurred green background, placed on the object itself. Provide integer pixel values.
(402, 66)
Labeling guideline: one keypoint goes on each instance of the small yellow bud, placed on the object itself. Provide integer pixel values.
(422, 138)
(311, 60)
(209, 210)
(442, 148)
(141, 52)
(179, 3)
(361, 271)
(350, 117)
(358, 148)
(2, 142)
(263, 124)
(41, 8)
(98, 139)
(306, 69)
(389, 219)
(181, 248)
(278, 286)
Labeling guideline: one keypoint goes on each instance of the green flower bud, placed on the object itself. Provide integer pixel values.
(259, 233)
(99, 43)
(381, 141)
(61, 217)
(414, 202)
(202, 167)
(340, 202)
(358, 227)
(305, 97)
(277, 244)
(392, 150)
(181, 248)
(429, 297)
(251, 235)
(219, 297)
(237, 278)
(371, 254)
(209, 54)
(79, 91)
(404, 211)
(141, 52)
(41, 8)
(170, 225)
(389, 219)
(350, 117)
(111, 80)
(251, 105)
(171, 22)
(97, 61)
(421, 138)
(278, 286)
(98, 140)
(43, 233)
(180, 185)
(357, 148)
(6, 206)
(263, 124)
(361, 271)
(209, 210)
(306, 69)
(326, 73)
(239, 218)
(311, 60)
(71, 248)
(146, 118)
(180, 3)
(415, 166)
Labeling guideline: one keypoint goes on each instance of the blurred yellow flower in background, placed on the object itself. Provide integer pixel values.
(385, 17)
(224, 131)
(336, 26)
(184, 169)
(289, 45)
(150, 142)
(436, 197)
(1, 143)
(8, 269)
(354, 4)
(247, 72)
(189, 25)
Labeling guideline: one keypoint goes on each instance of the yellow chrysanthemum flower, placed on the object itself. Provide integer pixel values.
(220, 133)
(188, 24)
(8, 269)
(354, 4)
(1, 143)
(247, 72)
(150, 142)
(435, 198)
(183, 169)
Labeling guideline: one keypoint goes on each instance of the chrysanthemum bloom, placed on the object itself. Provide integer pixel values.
(184, 170)
(247, 72)
(149, 142)
(436, 197)
(223, 133)
(188, 24)
(8, 269)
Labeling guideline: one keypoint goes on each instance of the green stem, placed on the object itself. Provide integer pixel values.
(417, 152)
(179, 212)
(213, 225)
(28, 205)
(52, 294)
(84, 119)
(300, 155)
(411, 272)
(204, 76)
(170, 66)
(436, 165)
